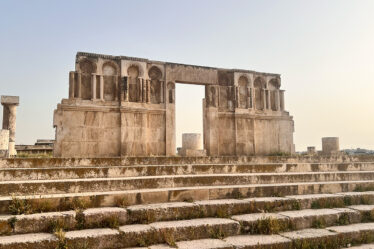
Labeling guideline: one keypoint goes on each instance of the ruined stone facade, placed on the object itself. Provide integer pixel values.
(125, 106)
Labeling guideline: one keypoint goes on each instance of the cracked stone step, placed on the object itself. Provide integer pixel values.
(97, 171)
(171, 181)
(65, 201)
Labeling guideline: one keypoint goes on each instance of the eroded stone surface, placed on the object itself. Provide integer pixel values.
(113, 98)
(256, 241)
(204, 244)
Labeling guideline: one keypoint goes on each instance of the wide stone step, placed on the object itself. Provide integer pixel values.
(98, 171)
(162, 160)
(244, 211)
(199, 233)
(170, 181)
(69, 201)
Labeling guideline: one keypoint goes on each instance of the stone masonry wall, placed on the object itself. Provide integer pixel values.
(124, 106)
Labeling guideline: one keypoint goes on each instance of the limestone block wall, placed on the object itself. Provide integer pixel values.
(125, 106)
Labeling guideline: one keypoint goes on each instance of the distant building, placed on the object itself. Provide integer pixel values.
(42, 146)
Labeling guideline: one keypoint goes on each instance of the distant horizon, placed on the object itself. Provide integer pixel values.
(323, 51)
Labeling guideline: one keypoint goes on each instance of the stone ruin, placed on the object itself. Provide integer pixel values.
(125, 106)
(8, 134)
(191, 145)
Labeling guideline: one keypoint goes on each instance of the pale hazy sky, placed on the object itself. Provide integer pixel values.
(324, 50)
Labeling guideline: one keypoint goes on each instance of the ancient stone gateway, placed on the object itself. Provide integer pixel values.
(125, 106)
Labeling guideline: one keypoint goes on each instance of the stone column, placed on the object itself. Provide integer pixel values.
(237, 100)
(144, 90)
(162, 89)
(115, 88)
(71, 84)
(102, 87)
(263, 99)
(149, 91)
(249, 97)
(10, 103)
(277, 100)
(93, 82)
(268, 104)
(127, 88)
(281, 102)
(79, 85)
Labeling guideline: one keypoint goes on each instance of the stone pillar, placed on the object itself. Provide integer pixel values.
(281, 100)
(140, 90)
(102, 87)
(162, 89)
(237, 101)
(116, 88)
(263, 99)
(127, 79)
(144, 90)
(249, 97)
(10, 103)
(268, 104)
(149, 91)
(93, 82)
(79, 85)
(277, 100)
(71, 84)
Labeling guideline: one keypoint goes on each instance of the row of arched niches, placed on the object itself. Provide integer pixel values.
(104, 81)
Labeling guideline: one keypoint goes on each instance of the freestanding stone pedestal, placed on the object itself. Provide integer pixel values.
(192, 145)
(10, 104)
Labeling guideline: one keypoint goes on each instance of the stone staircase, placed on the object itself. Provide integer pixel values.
(169, 202)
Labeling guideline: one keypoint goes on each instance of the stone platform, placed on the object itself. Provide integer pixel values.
(187, 202)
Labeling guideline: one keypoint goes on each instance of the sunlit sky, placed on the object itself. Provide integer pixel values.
(324, 51)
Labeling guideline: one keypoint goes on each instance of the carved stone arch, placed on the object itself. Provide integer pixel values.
(155, 75)
(243, 84)
(110, 68)
(274, 83)
(274, 86)
(110, 72)
(86, 69)
(87, 66)
(133, 73)
(259, 86)
(259, 82)
(134, 65)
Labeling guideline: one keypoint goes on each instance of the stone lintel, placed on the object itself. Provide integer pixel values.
(9, 100)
